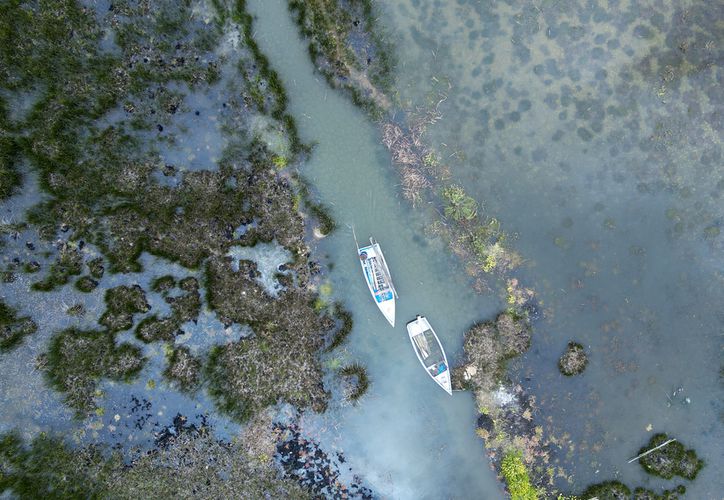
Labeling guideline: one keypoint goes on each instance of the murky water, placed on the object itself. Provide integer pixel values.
(596, 144)
(592, 131)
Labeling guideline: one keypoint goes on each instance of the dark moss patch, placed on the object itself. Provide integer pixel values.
(96, 268)
(608, 490)
(86, 284)
(574, 360)
(163, 283)
(122, 302)
(671, 460)
(183, 369)
(68, 263)
(191, 464)
(279, 362)
(10, 177)
(78, 359)
(341, 334)
(13, 328)
(31, 267)
(355, 375)
(184, 307)
(363, 69)
(674, 494)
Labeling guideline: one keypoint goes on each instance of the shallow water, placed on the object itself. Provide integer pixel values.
(598, 149)
(592, 131)
(407, 438)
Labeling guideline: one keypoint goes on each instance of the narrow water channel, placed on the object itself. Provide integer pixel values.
(406, 437)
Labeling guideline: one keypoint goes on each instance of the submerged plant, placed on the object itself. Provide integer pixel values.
(458, 205)
(356, 375)
(13, 328)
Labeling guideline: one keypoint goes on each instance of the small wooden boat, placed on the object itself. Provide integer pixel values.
(377, 275)
(430, 352)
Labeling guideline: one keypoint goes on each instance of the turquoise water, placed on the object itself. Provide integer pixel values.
(407, 438)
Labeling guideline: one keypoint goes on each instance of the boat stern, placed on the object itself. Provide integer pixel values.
(443, 381)
(388, 310)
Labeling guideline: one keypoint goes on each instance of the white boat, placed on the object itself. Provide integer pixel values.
(378, 279)
(430, 352)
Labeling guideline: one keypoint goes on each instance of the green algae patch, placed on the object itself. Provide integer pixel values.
(13, 328)
(78, 359)
(671, 460)
(122, 302)
(183, 369)
(516, 477)
(356, 380)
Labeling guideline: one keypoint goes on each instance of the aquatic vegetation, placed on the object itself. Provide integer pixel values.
(183, 368)
(46, 465)
(279, 362)
(162, 284)
(86, 284)
(341, 333)
(355, 375)
(69, 262)
(77, 359)
(516, 477)
(363, 69)
(574, 360)
(191, 463)
(671, 460)
(184, 307)
(122, 302)
(487, 347)
(458, 205)
(644, 494)
(326, 223)
(608, 490)
(248, 375)
(10, 177)
(13, 328)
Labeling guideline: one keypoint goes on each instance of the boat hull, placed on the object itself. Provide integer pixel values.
(429, 352)
(377, 277)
